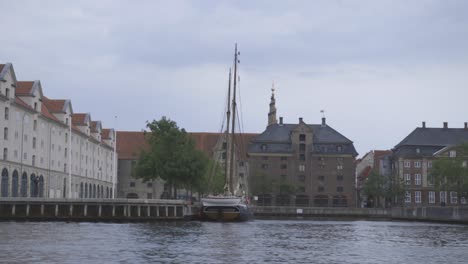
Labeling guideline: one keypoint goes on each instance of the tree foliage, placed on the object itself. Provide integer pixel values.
(451, 173)
(388, 188)
(172, 156)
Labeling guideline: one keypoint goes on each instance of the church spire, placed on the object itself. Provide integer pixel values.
(272, 114)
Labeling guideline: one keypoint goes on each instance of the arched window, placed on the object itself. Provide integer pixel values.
(14, 184)
(107, 192)
(86, 190)
(24, 185)
(81, 190)
(7, 113)
(94, 190)
(64, 188)
(4, 183)
(33, 185)
(40, 186)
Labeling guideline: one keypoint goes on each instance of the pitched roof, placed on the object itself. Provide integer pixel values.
(45, 112)
(435, 137)
(23, 104)
(79, 118)
(105, 134)
(130, 143)
(94, 126)
(54, 106)
(24, 88)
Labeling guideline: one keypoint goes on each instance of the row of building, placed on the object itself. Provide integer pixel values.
(48, 150)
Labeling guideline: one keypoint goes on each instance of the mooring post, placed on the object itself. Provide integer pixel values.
(113, 210)
(167, 210)
(42, 209)
(27, 210)
(139, 210)
(85, 210)
(100, 210)
(13, 209)
(148, 211)
(70, 210)
(56, 210)
(125, 211)
(175, 211)
(157, 211)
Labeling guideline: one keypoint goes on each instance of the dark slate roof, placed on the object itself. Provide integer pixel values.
(281, 133)
(277, 139)
(435, 137)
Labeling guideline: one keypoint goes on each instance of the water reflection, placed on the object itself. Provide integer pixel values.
(252, 242)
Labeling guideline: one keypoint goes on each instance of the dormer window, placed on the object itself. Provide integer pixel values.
(302, 137)
(452, 154)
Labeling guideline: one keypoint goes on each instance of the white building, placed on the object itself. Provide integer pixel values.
(47, 150)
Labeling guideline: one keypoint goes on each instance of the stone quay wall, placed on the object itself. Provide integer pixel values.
(43, 209)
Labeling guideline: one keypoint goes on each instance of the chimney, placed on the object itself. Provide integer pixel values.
(323, 121)
(423, 124)
(445, 124)
(281, 120)
(466, 125)
(300, 120)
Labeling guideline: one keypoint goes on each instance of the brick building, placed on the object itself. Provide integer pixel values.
(301, 164)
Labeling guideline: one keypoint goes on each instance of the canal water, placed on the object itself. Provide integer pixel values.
(260, 241)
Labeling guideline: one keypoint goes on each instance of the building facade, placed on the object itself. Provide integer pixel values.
(412, 163)
(48, 150)
(301, 164)
(214, 145)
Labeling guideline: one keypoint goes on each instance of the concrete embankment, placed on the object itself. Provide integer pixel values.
(432, 214)
(42, 209)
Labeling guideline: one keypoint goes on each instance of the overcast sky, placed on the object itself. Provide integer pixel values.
(377, 68)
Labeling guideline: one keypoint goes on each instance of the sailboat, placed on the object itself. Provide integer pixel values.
(232, 205)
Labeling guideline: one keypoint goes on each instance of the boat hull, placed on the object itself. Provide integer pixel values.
(225, 210)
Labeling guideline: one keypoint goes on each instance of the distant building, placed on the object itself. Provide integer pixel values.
(378, 161)
(130, 144)
(301, 164)
(412, 163)
(48, 150)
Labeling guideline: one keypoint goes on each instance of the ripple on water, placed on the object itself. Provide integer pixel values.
(251, 242)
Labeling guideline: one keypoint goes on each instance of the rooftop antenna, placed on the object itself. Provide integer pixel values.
(323, 113)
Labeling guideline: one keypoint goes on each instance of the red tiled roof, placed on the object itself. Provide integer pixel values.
(79, 118)
(45, 112)
(105, 134)
(54, 106)
(130, 143)
(24, 88)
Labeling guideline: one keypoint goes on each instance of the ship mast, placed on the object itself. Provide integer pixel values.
(231, 167)
(228, 115)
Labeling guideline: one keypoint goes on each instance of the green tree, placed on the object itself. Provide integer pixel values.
(213, 179)
(451, 173)
(172, 156)
(389, 188)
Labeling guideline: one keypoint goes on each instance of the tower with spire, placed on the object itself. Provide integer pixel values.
(272, 114)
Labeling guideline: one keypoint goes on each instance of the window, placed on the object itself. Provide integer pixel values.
(224, 145)
(339, 148)
(321, 178)
(34, 142)
(301, 189)
(64, 167)
(241, 175)
(453, 198)
(302, 137)
(35, 125)
(66, 137)
(7, 92)
(132, 184)
(407, 197)
(33, 160)
(417, 179)
(223, 155)
(66, 121)
(25, 156)
(35, 106)
(7, 113)
(301, 178)
(149, 184)
(452, 154)
(339, 177)
(417, 196)
(65, 153)
(301, 167)
(407, 164)
(241, 164)
(5, 133)
(263, 147)
(407, 179)
(339, 189)
(5, 153)
(284, 158)
(339, 167)
(431, 197)
(429, 164)
(264, 166)
(302, 157)
(443, 197)
(302, 147)
(149, 196)
(417, 164)
(321, 189)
